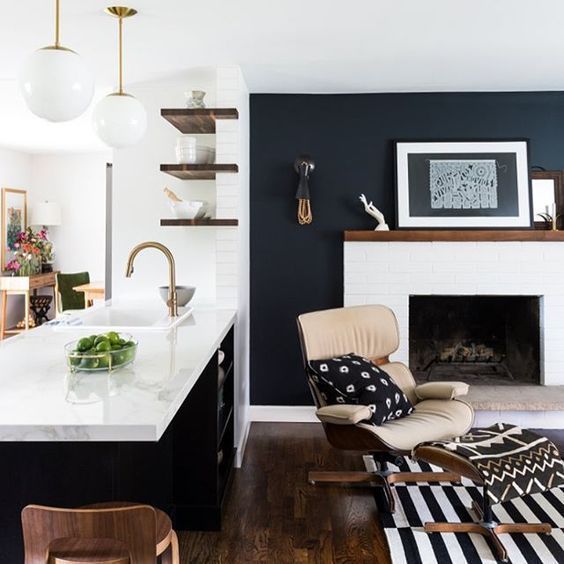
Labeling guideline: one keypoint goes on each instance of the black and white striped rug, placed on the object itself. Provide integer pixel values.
(417, 504)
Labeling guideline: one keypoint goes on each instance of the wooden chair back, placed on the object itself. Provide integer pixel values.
(134, 525)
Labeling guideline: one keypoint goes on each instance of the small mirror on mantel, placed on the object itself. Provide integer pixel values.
(547, 187)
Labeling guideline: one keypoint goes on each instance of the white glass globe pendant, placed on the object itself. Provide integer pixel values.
(120, 119)
(54, 82)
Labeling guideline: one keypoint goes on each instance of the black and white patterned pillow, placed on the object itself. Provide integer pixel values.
(353, 379)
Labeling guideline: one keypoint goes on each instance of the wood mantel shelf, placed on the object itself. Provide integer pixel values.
(197, 120)
(421, 235)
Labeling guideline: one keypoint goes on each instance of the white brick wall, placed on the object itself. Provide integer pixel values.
(229, 134)
(389, 272)
(232, 243)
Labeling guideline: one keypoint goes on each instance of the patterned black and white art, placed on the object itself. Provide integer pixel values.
(469, 184)
(463, 184)
(352, 379)
(418, 504)
(511, 461)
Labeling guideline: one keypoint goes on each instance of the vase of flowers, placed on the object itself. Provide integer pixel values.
(30, 248)
(47, 251)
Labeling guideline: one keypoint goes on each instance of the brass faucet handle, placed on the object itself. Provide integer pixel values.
(172, 303)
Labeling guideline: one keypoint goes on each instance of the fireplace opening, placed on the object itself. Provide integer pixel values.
(475, 339)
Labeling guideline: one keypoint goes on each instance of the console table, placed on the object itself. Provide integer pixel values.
(23, 285)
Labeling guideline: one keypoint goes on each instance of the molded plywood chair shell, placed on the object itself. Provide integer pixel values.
(134, 527)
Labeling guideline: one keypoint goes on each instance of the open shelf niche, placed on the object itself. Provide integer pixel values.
(198, 121)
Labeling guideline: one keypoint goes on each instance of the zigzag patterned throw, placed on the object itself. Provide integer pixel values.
(512, 461)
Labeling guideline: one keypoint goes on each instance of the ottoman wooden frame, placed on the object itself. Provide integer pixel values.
(485, 525)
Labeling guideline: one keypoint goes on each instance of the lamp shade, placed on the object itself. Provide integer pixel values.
(46, 213)
(120, 120)
(55, 84)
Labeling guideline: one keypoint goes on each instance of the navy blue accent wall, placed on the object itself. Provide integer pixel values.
(295, 268)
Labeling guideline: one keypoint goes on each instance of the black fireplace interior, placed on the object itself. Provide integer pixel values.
(475, 339)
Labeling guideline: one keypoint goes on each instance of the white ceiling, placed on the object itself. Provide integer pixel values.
(291, 46)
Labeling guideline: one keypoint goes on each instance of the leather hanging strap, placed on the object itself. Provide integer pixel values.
(305, 216)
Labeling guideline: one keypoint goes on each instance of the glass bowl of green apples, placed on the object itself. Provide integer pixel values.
(104, 352)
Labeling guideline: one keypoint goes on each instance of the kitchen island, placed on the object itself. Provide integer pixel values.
(159, 431)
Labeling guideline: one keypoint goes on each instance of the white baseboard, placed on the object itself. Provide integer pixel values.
(306, 414)
(242, 446)
(283, 413)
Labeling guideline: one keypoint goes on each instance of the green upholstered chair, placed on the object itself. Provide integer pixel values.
(68, 298)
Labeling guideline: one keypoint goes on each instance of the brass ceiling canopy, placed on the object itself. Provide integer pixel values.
(120, 11)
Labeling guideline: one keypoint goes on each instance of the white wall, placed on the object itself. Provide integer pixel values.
(139, 203)
(15, 172)
(77, 182)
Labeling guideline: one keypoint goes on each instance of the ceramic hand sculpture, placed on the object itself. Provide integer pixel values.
(373, 211)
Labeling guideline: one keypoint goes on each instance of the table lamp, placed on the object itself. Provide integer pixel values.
(47, 214)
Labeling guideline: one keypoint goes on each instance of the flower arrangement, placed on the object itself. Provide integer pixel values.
(31, 249)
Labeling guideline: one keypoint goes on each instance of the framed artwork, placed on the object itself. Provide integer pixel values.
(14, 220)
(548, 196)
(463, 184)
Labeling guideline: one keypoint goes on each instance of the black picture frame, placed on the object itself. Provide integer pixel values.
(463, 184)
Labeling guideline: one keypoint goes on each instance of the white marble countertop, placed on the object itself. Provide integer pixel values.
(41, 401)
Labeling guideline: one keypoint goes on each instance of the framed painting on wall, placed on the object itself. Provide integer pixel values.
(463, 184)
(14, 220)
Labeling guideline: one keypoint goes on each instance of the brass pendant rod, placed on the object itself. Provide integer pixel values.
(57, 24)
(120, 12)
(120, 55)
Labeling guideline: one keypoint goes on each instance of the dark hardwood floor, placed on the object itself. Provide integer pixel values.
(273, 515)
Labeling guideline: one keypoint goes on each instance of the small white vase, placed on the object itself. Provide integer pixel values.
(195, 99)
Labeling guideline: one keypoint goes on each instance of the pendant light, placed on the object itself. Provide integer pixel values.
(54, 82)
(119, 118)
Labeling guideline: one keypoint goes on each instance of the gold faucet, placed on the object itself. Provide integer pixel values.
(172, 299)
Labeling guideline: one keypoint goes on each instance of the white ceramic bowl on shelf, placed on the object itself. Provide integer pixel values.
(186, 155)
(189, 209)
(186, 149)
(205, 155)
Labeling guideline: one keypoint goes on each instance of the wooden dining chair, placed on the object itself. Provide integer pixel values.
(116, 535)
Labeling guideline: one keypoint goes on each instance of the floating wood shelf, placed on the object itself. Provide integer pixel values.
(198, 171)
(198, 120)
(456, 235)
(199, 222)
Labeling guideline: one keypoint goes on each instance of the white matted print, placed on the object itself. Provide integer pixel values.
(463, 184)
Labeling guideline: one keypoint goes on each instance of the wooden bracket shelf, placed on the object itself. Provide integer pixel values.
(416, 235)
(198, 171)
(199, 222)
(197, 120)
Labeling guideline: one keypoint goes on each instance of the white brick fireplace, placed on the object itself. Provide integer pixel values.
(388, 272)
